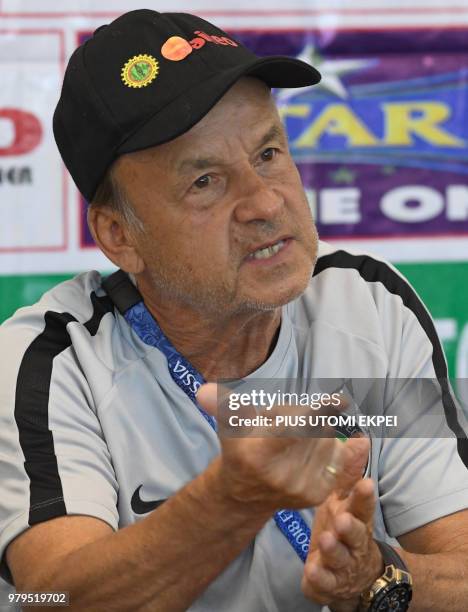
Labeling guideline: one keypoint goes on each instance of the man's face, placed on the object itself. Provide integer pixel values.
(214, 199)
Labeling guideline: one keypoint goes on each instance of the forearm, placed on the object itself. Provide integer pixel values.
(440, 581)
(165, 561)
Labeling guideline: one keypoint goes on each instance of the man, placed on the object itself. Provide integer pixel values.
(116, 487)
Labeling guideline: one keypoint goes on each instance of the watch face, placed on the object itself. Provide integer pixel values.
(395, 600)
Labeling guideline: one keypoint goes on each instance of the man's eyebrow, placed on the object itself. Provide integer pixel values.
(275, 132)
(197, 163)
(202, 163)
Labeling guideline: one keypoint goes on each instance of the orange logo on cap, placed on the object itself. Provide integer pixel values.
(176, 48)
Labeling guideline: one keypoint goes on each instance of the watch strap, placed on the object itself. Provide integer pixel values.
(390, 556)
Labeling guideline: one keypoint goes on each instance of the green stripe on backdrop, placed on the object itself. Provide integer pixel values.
(17, 291)
(442, 286)
(444, 289)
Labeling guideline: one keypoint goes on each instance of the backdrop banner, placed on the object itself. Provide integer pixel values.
(381, 143)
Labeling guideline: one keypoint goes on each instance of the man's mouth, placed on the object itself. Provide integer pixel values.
(269, 250)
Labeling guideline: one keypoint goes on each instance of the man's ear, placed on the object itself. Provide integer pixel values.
(113, 236)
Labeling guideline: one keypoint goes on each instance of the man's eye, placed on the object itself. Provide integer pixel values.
(268, 154)
(202, 181)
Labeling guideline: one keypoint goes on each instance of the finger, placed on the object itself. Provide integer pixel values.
(333, 553)
(362, 501)
(214, 399)
(332, 469)
(310, 420)
(318, 582)
(300, 421)
(356, 454)
(207, 397)
(352, 532)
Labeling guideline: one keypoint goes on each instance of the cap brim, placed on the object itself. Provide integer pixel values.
(189, 108)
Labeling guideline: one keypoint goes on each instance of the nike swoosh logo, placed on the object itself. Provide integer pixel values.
(139, 506)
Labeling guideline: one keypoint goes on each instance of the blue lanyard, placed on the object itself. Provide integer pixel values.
(289, 522)
(182, 372)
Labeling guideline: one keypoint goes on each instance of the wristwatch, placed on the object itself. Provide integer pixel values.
(391, 592)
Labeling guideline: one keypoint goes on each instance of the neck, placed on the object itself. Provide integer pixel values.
(217, 346)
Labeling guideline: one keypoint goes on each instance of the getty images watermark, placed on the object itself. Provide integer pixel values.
(316, 402)
(417, 408)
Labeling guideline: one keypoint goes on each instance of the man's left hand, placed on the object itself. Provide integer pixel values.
(344, 559)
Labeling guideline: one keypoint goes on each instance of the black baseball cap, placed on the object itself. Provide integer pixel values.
(147, 78)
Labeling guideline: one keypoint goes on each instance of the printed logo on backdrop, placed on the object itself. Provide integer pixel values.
(31, 173)
(20, 134)
(382, 142)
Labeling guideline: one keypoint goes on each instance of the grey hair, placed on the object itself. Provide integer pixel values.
(112, 195)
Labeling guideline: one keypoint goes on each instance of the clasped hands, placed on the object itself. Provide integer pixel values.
(344, 559)
(264, 474)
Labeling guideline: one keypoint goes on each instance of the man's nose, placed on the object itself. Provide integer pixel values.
(258, 197)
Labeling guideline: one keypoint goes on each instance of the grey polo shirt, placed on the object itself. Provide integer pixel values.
(92, 423)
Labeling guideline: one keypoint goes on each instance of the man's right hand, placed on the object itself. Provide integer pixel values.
(275, 471)
(235, 495)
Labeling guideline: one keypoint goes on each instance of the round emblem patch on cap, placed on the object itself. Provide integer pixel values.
(140, 70)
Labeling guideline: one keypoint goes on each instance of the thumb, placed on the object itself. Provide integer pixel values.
(355, 458)
(207, 397)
